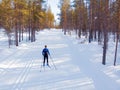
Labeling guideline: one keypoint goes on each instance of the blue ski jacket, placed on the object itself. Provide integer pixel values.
(45, 52)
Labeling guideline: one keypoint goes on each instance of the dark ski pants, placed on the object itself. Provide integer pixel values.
(45, 58)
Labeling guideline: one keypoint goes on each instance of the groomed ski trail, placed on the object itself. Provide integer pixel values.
(21, 69)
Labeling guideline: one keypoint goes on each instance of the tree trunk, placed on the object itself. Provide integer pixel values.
(104, 49)
(116, 50)
(16, 35)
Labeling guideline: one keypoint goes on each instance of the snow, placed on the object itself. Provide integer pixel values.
(78, 64)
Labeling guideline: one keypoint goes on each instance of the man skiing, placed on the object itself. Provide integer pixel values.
(45, 54)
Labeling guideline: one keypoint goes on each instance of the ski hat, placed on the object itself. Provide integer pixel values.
(45, 45)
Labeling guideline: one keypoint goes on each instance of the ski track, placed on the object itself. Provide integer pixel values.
(24, 65)
(9, 61)
(104, 73)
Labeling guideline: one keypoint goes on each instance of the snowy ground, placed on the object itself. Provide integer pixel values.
(78, 65)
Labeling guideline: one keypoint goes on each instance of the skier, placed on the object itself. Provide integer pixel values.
(45, 54)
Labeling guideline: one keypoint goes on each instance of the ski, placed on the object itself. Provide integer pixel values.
(49, 66)
(43, 67)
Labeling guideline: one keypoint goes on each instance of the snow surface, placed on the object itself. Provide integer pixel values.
(78, 64)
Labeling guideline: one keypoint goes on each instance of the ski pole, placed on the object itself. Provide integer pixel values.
(53, 63)
(41, 67)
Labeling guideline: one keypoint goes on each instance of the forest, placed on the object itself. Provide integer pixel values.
(24, 16)
(97, 20)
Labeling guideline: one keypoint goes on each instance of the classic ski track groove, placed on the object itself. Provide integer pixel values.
(9, 61)
(21, 78)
